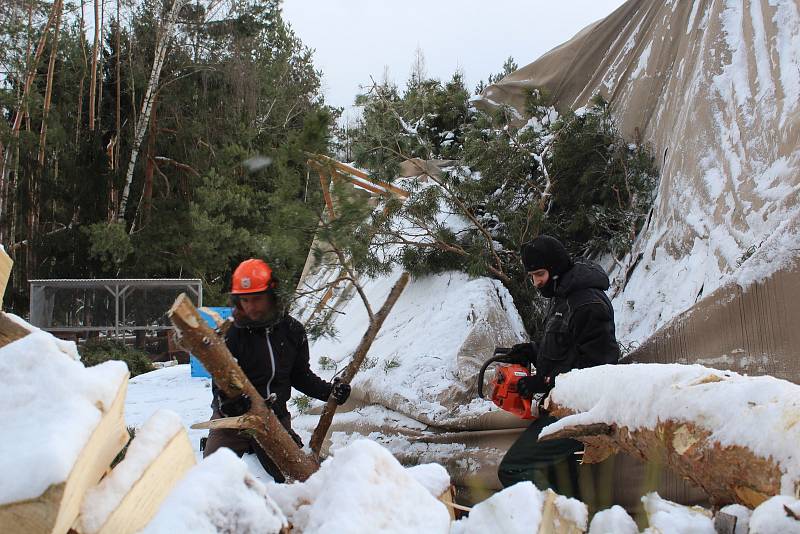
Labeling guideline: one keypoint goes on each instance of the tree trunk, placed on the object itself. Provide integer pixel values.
(93, 81)
(270, 434)
(118, 89)
(326, 418)
(144, 117)
(48, 93)
(728, 474)
(79, 114)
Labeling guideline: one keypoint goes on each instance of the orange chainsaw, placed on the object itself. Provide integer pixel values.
(504, 385)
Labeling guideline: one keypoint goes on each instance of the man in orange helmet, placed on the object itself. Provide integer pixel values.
(272, 350)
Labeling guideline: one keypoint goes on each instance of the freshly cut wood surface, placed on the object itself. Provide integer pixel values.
(728, 474)
(144, 498)
(10, 330)
(57, 508)
(5, 272)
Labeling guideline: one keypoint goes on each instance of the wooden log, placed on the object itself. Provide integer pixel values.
(5, 273)
(144, 497)
(270, 434)
(728, 474)
(352, 368)
(10, 330)
(57, 508)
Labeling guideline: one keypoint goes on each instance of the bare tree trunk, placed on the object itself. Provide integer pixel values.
(144, 117)
(270, 434)
(79, 115)
(118, 112)
(48, 93)
(93, 80)
(326, 418)
(99, 113)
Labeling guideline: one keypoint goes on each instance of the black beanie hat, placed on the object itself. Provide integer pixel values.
(545, 252)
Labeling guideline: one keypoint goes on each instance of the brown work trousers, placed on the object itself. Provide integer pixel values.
(241, 443)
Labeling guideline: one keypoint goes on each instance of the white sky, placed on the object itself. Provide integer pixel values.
(354, 39)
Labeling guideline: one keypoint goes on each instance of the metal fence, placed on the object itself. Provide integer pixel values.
(114, 307)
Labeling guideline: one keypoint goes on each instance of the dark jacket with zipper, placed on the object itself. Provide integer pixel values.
(579, 324)
(275, 359)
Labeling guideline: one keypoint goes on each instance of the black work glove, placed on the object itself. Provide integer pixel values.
(530, 385)
(340, 391)
(234, 406)
(522, 353)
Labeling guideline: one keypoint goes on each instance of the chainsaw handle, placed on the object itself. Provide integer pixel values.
(500, 355)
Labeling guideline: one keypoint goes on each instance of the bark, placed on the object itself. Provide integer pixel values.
(93, 81)
(149, 96)
(198, 337)
(118, 89)
(79, 114)
(48, 93)
(728, 474)
(355, 364)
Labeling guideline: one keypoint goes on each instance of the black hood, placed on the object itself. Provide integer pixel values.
(584, 274)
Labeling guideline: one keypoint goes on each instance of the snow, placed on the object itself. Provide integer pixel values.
(150, 440)
(67, 347)
(742, 514)
(515, 510)
(171, 388)
(361, 488)
(614, 520)
(573, 510)
(778, 514)
(737, 410)
(218, 495)
(49, 405)
(666, 517)
(432, 477)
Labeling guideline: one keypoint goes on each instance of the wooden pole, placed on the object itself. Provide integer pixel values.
(326, 418)
(210, 349)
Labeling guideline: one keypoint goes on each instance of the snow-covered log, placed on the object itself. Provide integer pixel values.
(128, 497)
(734, 436)
(210, 349)
(62, 427)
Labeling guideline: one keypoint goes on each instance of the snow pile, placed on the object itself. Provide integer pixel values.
(67, 347)
(778, 514)
(362, 488)
(614, 520)
(667, 517)
(49, 405)
(150, 441)
(174, 389)
(432, 477)
(515, 510)
(218, 495)
(742, 515)
(759, 413)
(424, 360)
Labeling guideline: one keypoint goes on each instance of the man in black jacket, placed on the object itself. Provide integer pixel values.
(271, 347)
(578, 333)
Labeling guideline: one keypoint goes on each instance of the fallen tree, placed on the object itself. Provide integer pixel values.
(709, 426)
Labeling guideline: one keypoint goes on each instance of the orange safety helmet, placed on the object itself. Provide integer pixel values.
(252, 276)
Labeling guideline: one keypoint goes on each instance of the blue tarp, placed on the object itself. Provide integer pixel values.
(224, 312)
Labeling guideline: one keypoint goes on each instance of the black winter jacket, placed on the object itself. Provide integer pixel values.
(275, 359)
(579, 324)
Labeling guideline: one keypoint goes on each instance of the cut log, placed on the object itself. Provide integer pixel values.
(57, 508)
(210, 349)
(554, 521)
(730, 474)
(137, 503)
(5, 272)
(355, 363)
(10, 330)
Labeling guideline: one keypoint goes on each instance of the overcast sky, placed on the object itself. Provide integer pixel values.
(356, 39)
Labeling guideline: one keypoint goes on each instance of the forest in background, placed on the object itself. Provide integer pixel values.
(173, 142)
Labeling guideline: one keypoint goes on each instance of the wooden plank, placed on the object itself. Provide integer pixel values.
(144, 498)
(10, 330)
(5, 273)
(57, 508)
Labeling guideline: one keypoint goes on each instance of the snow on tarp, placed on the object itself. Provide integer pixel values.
(218, 495)
(150, 441)
(362, 488)
(760, 413)
(714, 87)
(424, 361)
(49, 406)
